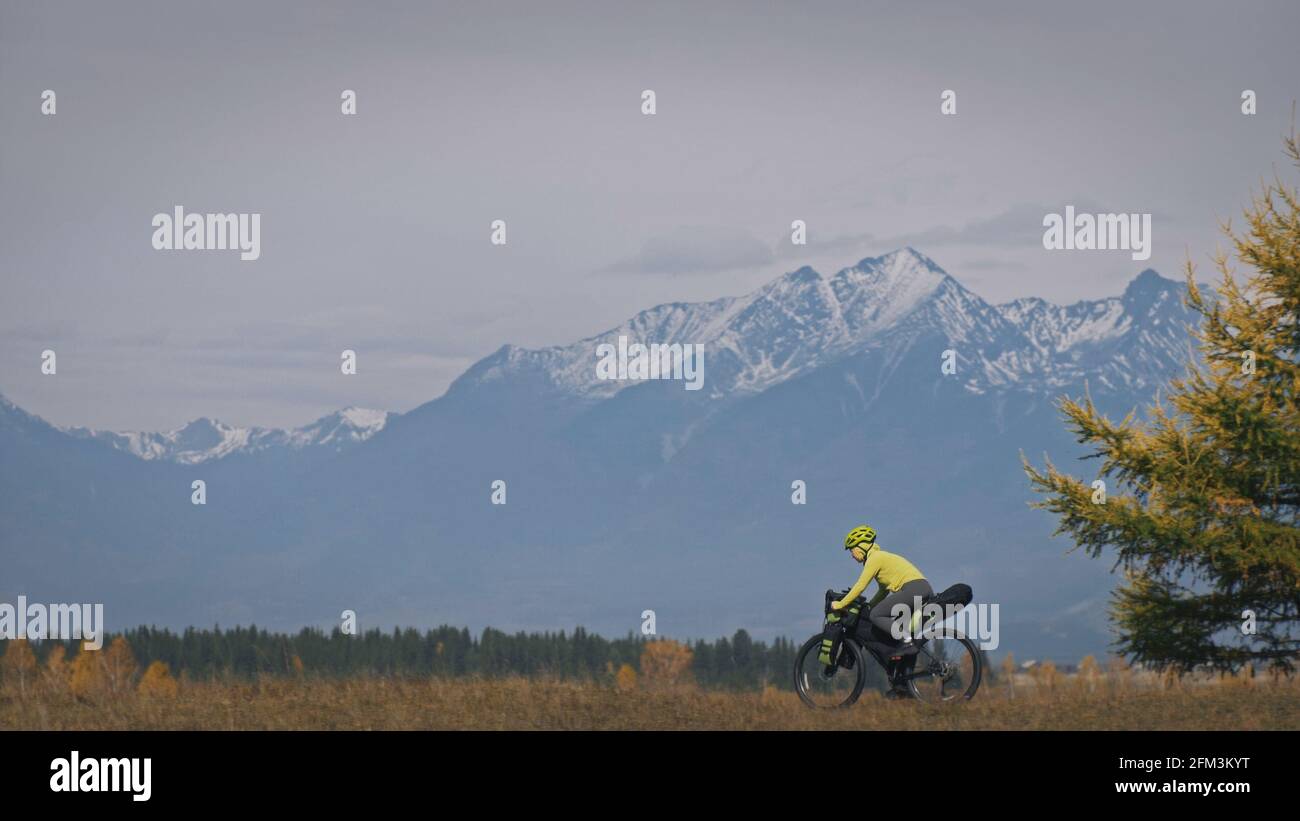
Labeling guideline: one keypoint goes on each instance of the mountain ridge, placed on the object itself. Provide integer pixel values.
(804, 319)
(793, 324)
(205, 439)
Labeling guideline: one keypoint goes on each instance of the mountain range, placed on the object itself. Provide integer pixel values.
(625, 496)
(204, 439)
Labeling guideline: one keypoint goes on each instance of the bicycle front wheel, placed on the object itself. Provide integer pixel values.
(827, 687)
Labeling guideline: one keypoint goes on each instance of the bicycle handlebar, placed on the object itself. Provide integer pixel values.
(836, 595)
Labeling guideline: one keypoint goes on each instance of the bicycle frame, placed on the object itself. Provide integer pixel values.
(876, 641)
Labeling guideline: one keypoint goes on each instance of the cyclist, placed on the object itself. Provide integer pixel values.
(898, 579)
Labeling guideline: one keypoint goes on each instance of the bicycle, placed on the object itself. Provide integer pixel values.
(945, 666)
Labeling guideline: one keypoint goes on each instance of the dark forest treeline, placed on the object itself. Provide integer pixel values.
(735, 663)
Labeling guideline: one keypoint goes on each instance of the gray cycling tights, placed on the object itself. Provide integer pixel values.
(880, 614)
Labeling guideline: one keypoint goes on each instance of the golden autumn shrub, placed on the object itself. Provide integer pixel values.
(157, 682)
(665, 663)
(119, 665)
(625, 679)
(58, 670)
(18, 665)
(88, 679)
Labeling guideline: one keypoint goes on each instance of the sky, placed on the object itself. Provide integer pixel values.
(375, 228)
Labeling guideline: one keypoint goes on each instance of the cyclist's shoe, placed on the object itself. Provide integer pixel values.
(897, 693)
(906, 648)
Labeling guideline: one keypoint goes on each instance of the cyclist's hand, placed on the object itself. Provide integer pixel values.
(836, 606)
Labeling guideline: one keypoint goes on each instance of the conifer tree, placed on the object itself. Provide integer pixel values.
(1205, 521)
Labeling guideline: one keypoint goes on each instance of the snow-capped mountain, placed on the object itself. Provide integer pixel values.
(804, 320)
(1126, 342)
(793, 324)
(204, 439)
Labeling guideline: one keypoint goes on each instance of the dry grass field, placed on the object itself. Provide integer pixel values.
(1109, 701)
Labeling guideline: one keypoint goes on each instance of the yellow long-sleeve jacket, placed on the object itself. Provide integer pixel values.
(890, 570)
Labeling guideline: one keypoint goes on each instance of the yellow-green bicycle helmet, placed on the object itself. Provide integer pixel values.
(861, 536)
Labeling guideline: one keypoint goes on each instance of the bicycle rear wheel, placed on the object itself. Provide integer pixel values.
(945, 669)
(827, 687)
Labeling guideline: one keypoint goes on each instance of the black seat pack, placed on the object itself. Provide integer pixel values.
(959, 594)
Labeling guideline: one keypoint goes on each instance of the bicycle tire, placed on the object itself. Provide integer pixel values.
(802, 685)
(977, 675)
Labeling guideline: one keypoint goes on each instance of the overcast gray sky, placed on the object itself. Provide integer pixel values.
(375, 227)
